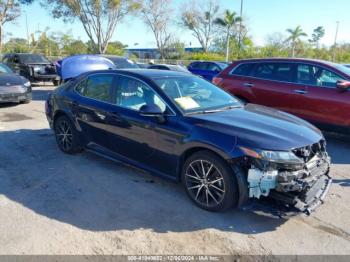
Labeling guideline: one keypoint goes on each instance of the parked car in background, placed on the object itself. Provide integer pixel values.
(72, 66)
(184, 128)
(317, 91)
(178, 68)
(35, 67)
(143, 65)
(121, 62)
(13, 87)
(206, 70)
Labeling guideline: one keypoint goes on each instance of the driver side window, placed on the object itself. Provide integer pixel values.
(132, 94)
(317, 76)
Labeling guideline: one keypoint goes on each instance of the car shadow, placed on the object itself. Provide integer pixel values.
(93, 193)
(6, 105)
(338, 146)
(342, 182)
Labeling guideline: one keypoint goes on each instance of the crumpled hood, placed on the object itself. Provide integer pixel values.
(261, 127)
(11, 80)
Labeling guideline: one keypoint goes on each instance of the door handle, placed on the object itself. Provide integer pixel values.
(75, 103)
(301, 92)
(248, 84)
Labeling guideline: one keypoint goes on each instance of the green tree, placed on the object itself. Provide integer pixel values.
(99, 18)
(16, 45)
(229, 23)
(10, 10)
(75, 47)
(116, 48)
(155, 14)
(199, 18)
(294, 38)
(316, 36)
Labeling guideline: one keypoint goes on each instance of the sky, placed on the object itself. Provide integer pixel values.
(264, 17)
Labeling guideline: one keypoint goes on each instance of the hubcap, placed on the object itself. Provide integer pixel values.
(205, 183)
(64, 135)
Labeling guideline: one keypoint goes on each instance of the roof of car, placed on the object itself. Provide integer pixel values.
(284, 59)
(154, 73)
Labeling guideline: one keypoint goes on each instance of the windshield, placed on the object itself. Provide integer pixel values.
(4, 69)
(343, 68)
(194, 95)
(33, 58)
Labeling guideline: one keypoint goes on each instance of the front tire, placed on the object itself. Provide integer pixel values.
(67, 137)
(209, 181)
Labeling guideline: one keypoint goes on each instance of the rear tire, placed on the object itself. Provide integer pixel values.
(210, 182)
(67, 136)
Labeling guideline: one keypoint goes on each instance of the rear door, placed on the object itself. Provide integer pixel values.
(316, 98)
(91, 105)
(270, 84)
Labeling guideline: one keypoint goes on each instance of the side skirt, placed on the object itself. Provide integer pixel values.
(105, 153)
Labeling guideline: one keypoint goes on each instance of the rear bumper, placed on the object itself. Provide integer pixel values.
(15, 97)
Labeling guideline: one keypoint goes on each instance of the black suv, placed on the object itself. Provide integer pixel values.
(34, 67)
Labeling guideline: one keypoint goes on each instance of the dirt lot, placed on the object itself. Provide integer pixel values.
(51, 203)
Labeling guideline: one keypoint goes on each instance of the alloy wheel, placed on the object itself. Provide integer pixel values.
(64, 135)
(205, 183)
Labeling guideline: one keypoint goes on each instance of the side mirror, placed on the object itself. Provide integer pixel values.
(152, 111)
(343, 85)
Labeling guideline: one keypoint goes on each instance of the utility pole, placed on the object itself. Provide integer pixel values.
(240, 30)
(335, 42)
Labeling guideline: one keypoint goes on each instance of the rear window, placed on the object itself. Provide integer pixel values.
(200, 66)
(243, 69)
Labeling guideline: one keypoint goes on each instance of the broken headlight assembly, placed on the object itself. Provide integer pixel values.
(286, 176)
(275, 159)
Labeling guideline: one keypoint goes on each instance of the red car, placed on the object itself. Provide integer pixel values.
(317, 91)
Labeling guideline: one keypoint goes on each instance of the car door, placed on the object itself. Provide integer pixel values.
(316, 98)
(90, 105)
(270, 84)
(142, 139)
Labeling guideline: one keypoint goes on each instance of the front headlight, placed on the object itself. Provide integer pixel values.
(27, 84)
(283, 157)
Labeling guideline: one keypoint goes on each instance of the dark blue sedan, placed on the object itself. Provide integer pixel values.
(184, 128)
(207, 69)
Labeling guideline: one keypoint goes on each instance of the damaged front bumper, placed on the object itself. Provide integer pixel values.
(303, 188)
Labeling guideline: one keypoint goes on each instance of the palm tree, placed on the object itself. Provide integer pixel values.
(228, 22)
(294, 37)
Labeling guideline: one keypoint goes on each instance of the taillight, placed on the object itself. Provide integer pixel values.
(217, 80)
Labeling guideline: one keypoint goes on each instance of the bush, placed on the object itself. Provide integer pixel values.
(205, 56)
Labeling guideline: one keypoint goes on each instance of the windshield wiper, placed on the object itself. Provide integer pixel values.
(213, 111)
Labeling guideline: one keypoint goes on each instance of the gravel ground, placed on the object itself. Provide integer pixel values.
(51, 203)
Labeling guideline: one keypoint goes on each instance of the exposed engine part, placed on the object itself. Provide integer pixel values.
(260, 183)
(303, 188)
